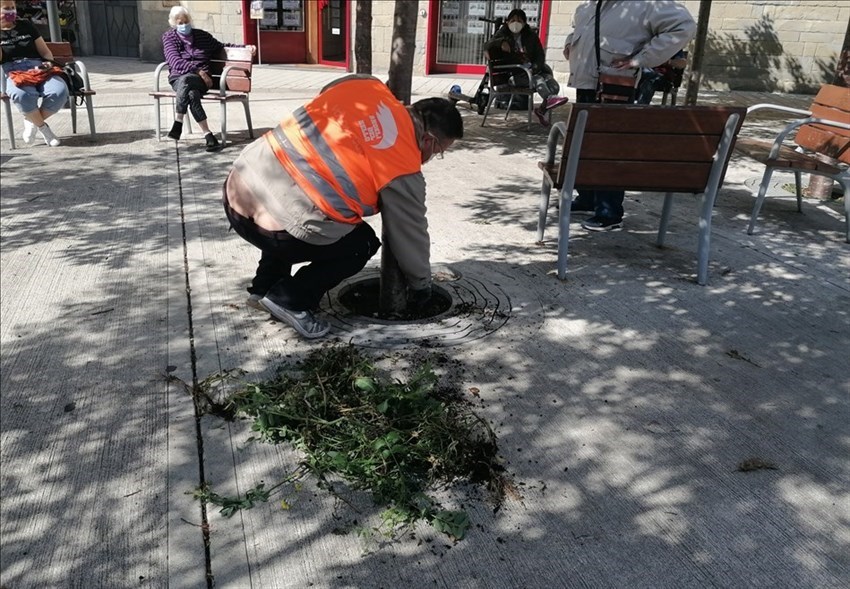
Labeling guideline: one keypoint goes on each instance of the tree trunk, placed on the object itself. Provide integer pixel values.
(393, 297)
(820, 187)
(363, 37)
(403, 48)
(695, 73)
(842, 71)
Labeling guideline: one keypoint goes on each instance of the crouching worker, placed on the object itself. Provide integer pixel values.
(300, 194)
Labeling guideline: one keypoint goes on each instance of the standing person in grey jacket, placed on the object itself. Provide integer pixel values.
(633, 34)
(300, 193)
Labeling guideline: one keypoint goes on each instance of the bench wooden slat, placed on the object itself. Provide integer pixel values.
(626, 120)
(656, 148)
(61, 52)
(759, 150)
(643, 176)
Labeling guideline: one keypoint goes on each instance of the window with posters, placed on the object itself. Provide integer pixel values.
(464, 26)
(282, 15)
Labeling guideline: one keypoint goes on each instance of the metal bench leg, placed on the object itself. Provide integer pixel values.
(545, 192)
(487, 110)
(158, 119)
(846, 184)
(10, 128)
(566, 197)
(704, 245)
(223, 123)
(768, 172)
(798, 185)
(248, 117)
(665, 219)
(90, 110)
(73, 104)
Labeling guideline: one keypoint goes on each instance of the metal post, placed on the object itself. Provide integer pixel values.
(53, 21)
(259, 51)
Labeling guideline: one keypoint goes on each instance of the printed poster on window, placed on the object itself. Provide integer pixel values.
(475, 27)
(451, 8)
(477, 9)
(292, 4)
(257, 11)
(449, 25)
(531, 11)
(292, 19)
(502, 9)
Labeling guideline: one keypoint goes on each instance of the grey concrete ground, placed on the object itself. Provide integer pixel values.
(623, 398)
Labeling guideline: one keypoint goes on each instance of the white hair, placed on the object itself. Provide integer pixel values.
(175, 12)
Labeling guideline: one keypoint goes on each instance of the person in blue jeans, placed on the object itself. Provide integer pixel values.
(23, 48)
(632, 35)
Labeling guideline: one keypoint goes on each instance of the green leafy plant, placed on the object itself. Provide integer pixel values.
(397, 440)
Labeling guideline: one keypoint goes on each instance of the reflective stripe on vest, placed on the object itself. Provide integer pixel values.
(297, 165)
(344, 146)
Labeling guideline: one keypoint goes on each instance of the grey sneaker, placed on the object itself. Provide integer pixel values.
(304, 322)
(253, 301)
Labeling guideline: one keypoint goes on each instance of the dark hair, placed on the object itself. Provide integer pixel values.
(441, 117)
(517, 12)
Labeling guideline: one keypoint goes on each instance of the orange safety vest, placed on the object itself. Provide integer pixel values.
(347, 144)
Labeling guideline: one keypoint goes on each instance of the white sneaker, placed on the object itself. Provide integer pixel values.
(29, 132)
(48, 136)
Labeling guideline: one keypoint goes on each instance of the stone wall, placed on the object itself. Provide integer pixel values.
(222, 18)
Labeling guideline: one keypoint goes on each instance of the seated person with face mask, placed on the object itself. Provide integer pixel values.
(515, 42)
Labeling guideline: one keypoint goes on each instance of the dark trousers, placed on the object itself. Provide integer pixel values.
(607, 204)
(189, 88)
(329, 264)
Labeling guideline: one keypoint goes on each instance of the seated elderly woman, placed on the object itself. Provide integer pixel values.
(188, 52)
(22, 48)
(515, 42)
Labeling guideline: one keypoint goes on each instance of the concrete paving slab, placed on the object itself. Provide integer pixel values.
(624, 398)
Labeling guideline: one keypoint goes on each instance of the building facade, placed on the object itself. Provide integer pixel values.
(767, 45)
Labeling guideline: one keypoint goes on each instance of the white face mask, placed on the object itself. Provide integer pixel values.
(515, 27)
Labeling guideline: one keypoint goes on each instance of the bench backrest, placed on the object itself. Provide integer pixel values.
(649, 148)
(833, 103)
(62, 53)
(239, 78)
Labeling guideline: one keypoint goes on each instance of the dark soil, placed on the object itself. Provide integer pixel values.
(362, 298)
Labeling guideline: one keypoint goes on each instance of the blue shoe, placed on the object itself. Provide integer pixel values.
(602, 224)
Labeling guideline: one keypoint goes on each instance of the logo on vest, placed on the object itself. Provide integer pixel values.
(379, 130)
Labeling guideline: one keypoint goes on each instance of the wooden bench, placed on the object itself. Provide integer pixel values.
(231, 74)
(62, 55)
(643, 148)
(823, 147)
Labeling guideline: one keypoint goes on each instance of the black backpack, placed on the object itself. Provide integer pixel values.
(75, 83)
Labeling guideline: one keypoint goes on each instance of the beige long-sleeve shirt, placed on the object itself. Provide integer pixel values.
(648, 31)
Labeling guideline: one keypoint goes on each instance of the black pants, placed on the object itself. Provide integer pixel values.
(608, 204)
(189, 88)
(329, 264)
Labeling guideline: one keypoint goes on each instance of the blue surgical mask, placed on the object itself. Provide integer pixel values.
(184, 29)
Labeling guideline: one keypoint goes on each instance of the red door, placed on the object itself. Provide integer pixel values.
(334, 32)
(280, 35)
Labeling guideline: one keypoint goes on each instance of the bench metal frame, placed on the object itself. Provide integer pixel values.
(840, 172)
